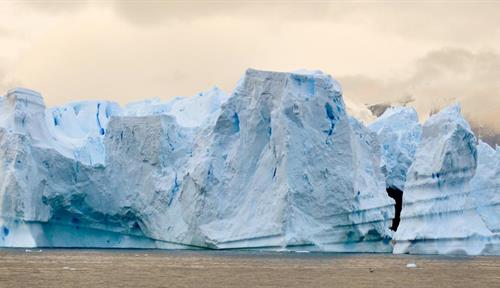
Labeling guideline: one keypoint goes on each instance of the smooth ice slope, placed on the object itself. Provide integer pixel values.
(443, 210)
(278, 165)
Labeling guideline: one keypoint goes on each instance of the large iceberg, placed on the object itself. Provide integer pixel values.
(277, 165)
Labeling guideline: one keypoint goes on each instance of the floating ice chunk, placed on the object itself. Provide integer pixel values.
(411, 265)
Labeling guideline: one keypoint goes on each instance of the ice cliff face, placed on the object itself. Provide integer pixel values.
(284, 159)
(445, 209)
(485, 186)
(277, 165)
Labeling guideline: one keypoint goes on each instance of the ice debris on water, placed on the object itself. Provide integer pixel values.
(411, 265)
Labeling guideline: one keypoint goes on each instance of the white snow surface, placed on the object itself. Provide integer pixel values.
(191, 112)
(279, 164)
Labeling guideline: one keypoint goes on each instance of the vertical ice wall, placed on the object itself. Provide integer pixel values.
(440, 205)
(485, 186)
(284, 160)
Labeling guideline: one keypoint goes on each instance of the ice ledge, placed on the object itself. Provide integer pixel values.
(25, 95)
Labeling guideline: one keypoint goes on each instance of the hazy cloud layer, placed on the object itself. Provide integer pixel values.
(131, 50)
(458, 21)
(150, 12)
(6, 82)
(438, 79)
(55, 6)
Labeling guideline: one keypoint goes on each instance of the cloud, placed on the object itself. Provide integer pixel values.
(459, 23)
(129, 50)
(438, 79)
(51, 7)
(486, 134)
(150, 12)
(6, 81)
(153, 12)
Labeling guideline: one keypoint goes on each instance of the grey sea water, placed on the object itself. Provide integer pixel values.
(202, 268)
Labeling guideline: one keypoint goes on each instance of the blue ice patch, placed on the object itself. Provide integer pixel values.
(308, 83)
(57, 120)
(101, 130)
(173, 192)
(236, 122)
(329, 111)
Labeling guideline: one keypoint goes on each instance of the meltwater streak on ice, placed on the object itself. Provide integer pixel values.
(277, 165)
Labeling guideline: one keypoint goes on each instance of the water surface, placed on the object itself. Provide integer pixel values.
(153, 268)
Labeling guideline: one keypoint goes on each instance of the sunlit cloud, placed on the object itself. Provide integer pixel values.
(130, 50)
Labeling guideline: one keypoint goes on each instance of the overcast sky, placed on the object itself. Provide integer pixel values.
(435, 52)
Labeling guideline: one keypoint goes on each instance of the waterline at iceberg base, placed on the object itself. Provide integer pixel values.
(278, 164)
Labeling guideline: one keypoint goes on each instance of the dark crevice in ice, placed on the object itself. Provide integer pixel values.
(173, 192)
(397, 195)
(6, 231)
(332, 118)
(101, 130)
(236, 122)
(56, 118)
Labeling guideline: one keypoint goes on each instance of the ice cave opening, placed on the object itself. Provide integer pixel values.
(397, 195)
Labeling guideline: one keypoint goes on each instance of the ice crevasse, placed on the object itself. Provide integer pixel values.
(278, 164)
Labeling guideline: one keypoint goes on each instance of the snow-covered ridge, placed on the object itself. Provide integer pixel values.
(192, 111)
(278, 164)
